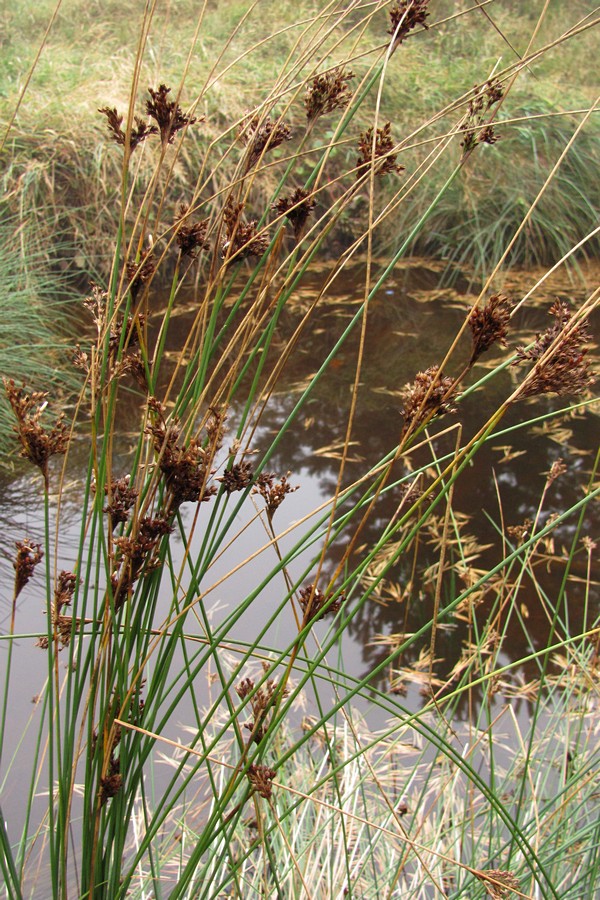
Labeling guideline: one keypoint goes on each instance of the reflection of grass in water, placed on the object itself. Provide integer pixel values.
(128, 634)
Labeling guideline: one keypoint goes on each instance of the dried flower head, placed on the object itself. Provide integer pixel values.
(520, 533)
(431, 394)
(328, 92)
(262, 702)
(27, 558)
(489, 324)
(381, 154)
(557, 469)
(139, 553)
(273, 493)
(260, 134)
(167, 114)
(474, 130)
(190, 236)
(241, 239)
(63, 594)
(559, 357)
(139, 274)
(139, 132)
(186, 469)
(110, 785)
(38, 444)
(296, 208)
(499, 883)
(261, 779)
(133, 364)
(237, 477)
(315, 604)
(405, 15)
(121, 499)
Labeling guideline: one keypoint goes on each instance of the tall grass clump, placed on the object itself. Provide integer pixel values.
(190, 612)
(35, 314)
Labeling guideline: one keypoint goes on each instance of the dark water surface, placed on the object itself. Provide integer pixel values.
(411, 324)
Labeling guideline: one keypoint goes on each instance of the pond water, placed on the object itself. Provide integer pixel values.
(410, 327)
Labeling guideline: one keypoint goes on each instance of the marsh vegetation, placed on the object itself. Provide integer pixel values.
(268, 435)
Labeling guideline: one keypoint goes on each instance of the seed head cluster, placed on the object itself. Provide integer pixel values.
(328, 92)
(431, 394)
(489, 324)
(405, 16)
(558, 356)
(38, 444)
(273, 492)
(381, 153)
(261, 134)
(296, 208)
(27, 558)
(316, 605)
(241, 238)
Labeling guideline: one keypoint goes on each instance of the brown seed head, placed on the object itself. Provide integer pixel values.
(559, 357)
(382, 155)
(273, 493)
(38, 444)
(190, 236)
(242, 239)
(260, 134)
(316, 605)
(489, 324)
(27, 558)
(327, 93)
(431, 394)
(261, 779)
(139, 132)
(405, 16)
(296, 208)
(167, 114)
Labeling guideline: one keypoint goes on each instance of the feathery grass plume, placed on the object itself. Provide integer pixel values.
(38, 443)
(405, 16)
(315, 604)
(559, 357)
(473, 130)
(296, 208)
(28, 556)
(328, 92)
(430, 394)
(272, 492)
(140, 131)
(241, 238)
(385, 159)
(259, 134)
(190, 236)
(489, 324)
(167, 114)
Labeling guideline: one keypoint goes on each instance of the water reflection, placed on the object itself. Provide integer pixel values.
(410, 326)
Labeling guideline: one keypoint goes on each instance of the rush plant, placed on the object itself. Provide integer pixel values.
(180, 495)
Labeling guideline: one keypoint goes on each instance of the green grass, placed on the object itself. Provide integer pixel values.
(177, 500)
(89, 57)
